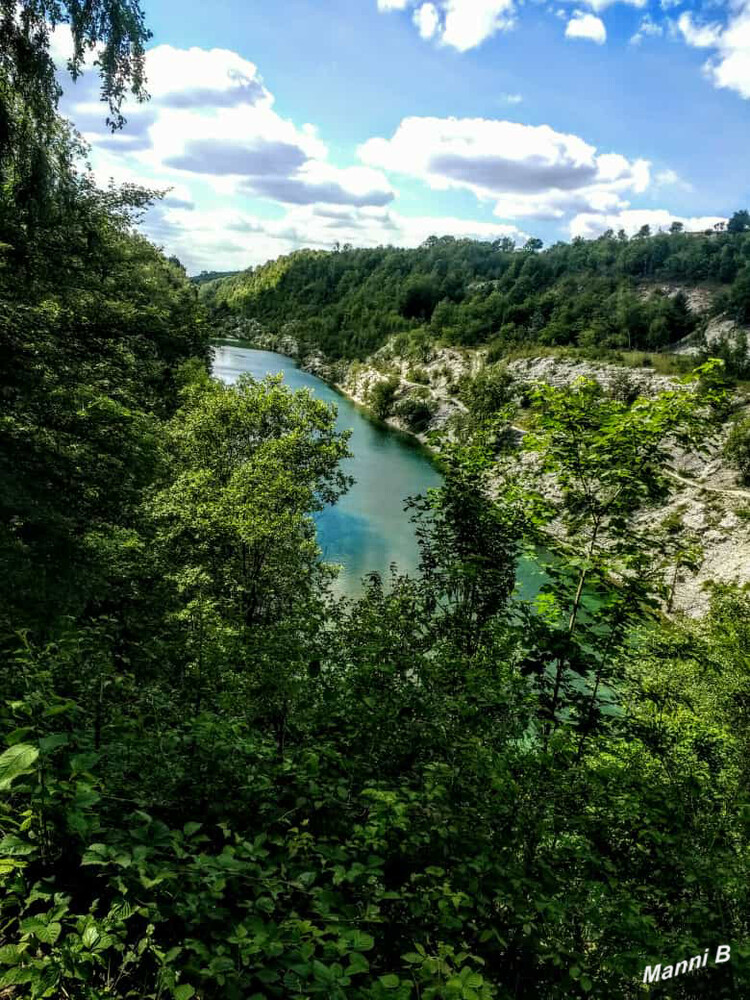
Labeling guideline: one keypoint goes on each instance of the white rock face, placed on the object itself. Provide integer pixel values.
(707, 498)
(563, 372)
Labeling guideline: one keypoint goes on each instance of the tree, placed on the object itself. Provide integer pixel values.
(740, 222)
(36, 152)
(468, 546)
(737, 448)
(608, 458)
(676, 227)
(249, 464)
(380, 396)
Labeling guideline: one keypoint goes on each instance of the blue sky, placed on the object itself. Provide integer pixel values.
(299, 123)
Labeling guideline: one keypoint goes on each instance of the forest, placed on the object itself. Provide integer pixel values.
(218, 780)
(601, 293)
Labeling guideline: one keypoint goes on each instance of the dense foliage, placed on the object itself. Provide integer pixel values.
(592, 293)
(217, 781)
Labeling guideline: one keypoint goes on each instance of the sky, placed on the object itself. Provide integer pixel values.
(284, 124)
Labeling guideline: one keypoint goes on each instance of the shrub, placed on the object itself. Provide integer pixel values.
(623, 388)
(416, 413)
(381, 395)
(737, 448)
(418, 375)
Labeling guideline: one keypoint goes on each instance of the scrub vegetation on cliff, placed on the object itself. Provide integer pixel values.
(603, 294)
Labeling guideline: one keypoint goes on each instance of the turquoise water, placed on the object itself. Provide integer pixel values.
(367, 529)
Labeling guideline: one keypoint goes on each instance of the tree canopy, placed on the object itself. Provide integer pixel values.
(591, 293)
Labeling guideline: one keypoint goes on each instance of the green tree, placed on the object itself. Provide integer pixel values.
(608, 459)
(737, 448)
(740, 222)
(381, 395)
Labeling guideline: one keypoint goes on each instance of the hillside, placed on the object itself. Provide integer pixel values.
(606, 293)
(434, 338)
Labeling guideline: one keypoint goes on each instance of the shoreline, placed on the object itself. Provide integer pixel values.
(705, 499)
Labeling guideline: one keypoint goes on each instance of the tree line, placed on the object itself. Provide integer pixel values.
(590, 293)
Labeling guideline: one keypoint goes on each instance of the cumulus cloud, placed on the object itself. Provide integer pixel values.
(586, 26)
(699, 36)
(319, 182)
(648, 28)
(729, 66)
(256, 157)
(460, 24)
(201, 239)
(427, 20)
(529, 171)
(212, 135)
(631, 220)
(599, 5)
(212, 117)
(670, 178)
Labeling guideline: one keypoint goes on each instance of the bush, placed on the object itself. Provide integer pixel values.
(737, 448)
(488, 392)
(623, 388)
(418, 375)
(416, 413)
(380, 396)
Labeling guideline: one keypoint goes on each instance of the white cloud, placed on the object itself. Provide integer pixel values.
(648, 28)
(696, 35)
(732, 68)
(427, 20)
(468, 23)
(212, 118)
(729, 66)
(528, 171)
(461, 24)
(631, 220)
(586, 26)
(599, 5)
(670, 178)
(511, 98)
(231, 239)
(211, 133)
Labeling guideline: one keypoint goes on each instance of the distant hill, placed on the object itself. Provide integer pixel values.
(206, 276)
(613, 292)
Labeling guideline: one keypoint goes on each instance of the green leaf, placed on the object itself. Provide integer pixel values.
(97, 854)
(45, 932)
(184, 992)
(412, 958)
(18, 974)
(81, 762)
(357, 963)
(13, 846)
(358, 940)
(54, 741)
(190, 828)
(17, 760)
(390, 982)
(51, 933)
(11, 954)
(90, 936)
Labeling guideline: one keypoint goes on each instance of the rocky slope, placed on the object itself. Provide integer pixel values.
(708, 501)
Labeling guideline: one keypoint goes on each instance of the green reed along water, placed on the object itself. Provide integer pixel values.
(368, 529)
